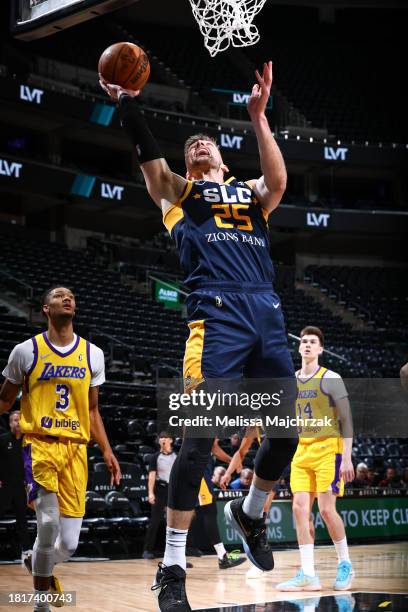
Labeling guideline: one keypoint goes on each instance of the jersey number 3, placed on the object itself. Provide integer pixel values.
(231, 211)
(62, 403)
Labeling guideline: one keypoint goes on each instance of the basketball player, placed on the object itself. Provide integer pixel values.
(235, 318)
(322, 462)
(59, 374)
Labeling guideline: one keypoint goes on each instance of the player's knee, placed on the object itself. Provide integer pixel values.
(68, 543)
(195, 465)
(300, 510)
(192, 461)
(327, 514)
(47, 525)
(47, 530)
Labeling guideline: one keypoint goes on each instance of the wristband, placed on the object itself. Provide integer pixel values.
(135, 125)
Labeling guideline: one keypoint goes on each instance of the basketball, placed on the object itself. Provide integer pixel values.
(125, 64)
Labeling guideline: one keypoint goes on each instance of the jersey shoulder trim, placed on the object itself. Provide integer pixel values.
(188, 187)
(35, 353)
(88, 356)
(230, 180)
(172, 216)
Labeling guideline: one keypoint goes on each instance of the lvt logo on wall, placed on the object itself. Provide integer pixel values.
(335, 153)
(317, 219)
(228, 141)
(9, 168)
(29, 94)
(111, 192)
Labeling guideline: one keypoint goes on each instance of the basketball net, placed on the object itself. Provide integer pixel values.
(223, 22)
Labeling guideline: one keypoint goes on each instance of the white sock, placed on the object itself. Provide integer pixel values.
(342, 550)
(175, 553)
(307, 558)
(254, 502)
(41, 605)
(220, 550)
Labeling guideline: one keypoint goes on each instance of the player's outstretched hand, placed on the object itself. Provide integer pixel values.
(347, 470)
(113, 466)
(224, 482)
(260, 92)
(115, 91)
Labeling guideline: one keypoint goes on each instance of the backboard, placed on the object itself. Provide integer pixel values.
(32, 19)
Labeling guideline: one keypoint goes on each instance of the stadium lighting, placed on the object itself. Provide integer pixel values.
(298, 137)
(311, 139)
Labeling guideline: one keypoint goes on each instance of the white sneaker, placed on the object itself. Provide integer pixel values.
(254, 573)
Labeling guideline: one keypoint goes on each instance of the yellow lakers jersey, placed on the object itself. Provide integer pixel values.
(55, 391)
(316, 409)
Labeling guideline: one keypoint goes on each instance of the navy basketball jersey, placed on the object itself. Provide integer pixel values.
(221, 233)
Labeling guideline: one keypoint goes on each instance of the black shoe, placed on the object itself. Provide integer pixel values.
(252, 533)
(231, 560)
(191, 551)
(170, 587)
(147, 554)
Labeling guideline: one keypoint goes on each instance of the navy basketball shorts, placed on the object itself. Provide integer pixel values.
(237, 330)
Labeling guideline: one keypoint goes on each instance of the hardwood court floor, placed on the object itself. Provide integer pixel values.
(124, 586)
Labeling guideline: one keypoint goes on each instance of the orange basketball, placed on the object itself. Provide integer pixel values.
(125, 64)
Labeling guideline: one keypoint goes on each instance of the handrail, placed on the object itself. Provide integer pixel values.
(333, 289)
(120, 342)
(18, 281)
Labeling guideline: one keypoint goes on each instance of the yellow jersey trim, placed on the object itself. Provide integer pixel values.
(186, 191)
(172, 216)
(231, 178)
(193, 356)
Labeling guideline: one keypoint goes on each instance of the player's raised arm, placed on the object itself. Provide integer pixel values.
(164, 186)
(271, 186)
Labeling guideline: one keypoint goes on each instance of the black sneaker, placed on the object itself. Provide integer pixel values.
(170, 587)
(232, 559)
(252, 533)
